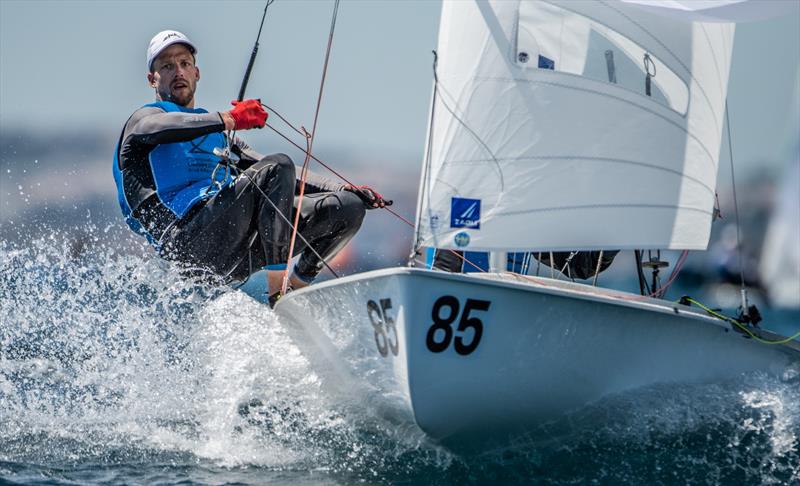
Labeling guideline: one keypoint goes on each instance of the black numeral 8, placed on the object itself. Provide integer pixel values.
(443, 324)
(376, 317)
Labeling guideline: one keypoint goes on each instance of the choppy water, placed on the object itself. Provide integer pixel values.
(113, 370)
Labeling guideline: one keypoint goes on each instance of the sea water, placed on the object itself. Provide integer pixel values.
(114, 370)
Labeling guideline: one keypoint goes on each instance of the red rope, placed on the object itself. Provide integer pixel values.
(309, 144)
(303, 175)
(678, 266)
(323, 164)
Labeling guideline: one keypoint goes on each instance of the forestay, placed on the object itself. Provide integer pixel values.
(544, 136)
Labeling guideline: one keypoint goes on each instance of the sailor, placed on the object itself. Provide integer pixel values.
(174, 190)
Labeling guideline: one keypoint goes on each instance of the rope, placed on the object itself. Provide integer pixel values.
(597, 268)
(672, 276)
(736, 211)
(303, 176)
(740, 325)
(310, 144)
(320, 162)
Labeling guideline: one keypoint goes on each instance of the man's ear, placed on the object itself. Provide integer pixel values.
(197, 72)
(151, 78)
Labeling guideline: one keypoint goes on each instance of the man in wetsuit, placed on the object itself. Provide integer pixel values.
(173, 190)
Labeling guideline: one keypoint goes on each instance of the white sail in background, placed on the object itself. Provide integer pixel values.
(543, 152)
(780, 258)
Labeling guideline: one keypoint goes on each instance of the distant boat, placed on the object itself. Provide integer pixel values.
(556, 126)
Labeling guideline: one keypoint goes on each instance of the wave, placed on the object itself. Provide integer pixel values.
(109, 359)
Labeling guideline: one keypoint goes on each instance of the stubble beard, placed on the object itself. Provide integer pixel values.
(176, 98)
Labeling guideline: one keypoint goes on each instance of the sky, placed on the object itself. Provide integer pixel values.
(68, 65)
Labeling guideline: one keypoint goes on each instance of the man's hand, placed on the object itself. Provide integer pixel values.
(372, 199)
(247, 114)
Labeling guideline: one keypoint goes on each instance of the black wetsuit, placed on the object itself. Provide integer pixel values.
(234, 231)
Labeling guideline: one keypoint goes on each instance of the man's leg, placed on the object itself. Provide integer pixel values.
(220, 236)
(328, 221)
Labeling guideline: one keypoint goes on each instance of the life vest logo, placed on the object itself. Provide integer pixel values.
(461, 239)
(465, 213)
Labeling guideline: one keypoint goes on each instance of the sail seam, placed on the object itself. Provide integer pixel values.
(600, 93)
(602, 206)
(713, 57)
(580, 157)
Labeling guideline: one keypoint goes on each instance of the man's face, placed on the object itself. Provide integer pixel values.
(175, 76)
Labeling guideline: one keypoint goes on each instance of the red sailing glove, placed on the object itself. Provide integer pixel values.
(248, 114)
(372, 199)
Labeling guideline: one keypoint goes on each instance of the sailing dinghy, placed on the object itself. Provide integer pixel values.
(555, 126)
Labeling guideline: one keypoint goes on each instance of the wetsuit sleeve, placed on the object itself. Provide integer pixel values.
(151, 126)
(314, 182)
(247, 156)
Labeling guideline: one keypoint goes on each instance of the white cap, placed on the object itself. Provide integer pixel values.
(164, 39)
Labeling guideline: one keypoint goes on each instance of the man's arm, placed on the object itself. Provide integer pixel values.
(314, 182)
(154, 126)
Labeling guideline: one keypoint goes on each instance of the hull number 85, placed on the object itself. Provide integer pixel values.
(445, 312)
(383, 324)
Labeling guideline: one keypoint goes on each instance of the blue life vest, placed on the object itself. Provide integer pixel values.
(181, 171)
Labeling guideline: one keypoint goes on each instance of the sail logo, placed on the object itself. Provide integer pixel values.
(434, 221)
(461, 239)
(465, 213)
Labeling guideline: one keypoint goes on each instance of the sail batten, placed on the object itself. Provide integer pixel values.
(536, 146)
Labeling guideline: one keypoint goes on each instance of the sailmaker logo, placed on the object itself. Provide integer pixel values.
(465, 213)
(461, 239)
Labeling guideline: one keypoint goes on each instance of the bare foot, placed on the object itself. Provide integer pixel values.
(275, 281)
(296, 283)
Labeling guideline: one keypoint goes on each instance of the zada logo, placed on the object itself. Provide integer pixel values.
(465, 213)
(461, 239)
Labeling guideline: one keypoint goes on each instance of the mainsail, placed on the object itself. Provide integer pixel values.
(573, 125)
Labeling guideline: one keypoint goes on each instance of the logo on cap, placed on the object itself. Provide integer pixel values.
(164, 39)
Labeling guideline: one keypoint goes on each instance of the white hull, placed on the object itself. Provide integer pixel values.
(545, 347)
